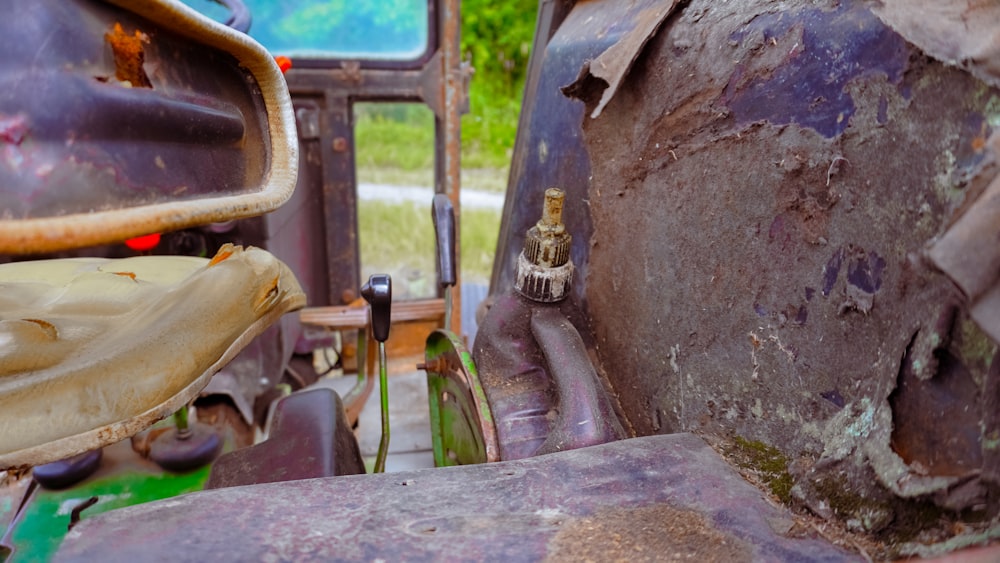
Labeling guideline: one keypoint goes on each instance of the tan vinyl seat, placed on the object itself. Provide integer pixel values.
(94, 350)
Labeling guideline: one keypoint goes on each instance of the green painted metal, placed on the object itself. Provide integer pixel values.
(462, 428)
(47, 517)
(362, 356)
(383, 383)
(181, 419)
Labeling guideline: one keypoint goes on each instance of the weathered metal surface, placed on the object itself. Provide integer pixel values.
(585, 415)
(514, 375)
(968, 252)
(920, 405)
(340, 206)
(611, 66)
(96, 150)
(514, 511)
(542, 389)
(309, 437)
(549, 150)
(764, 185)
(462, 427)
(448, 129)
(957, 32)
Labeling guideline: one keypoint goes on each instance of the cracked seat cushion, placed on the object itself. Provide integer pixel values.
(94, 350)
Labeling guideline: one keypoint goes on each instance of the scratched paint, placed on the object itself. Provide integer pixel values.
(809, 86)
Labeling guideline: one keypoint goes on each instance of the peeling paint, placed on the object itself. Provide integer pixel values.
(775, 361)
(818, 62)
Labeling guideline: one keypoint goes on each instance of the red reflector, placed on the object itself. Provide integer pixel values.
(143, 243)
(284, 63)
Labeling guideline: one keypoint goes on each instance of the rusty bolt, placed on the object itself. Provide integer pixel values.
(552, 210)
(544, 269)
(340, 144)
(436, 365)
(547, 244)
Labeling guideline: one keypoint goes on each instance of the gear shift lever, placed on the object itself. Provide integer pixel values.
(378, 293)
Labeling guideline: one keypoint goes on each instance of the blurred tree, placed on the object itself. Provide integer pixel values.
(496, 38)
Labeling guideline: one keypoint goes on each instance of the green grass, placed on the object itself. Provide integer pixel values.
(395, 145)
(397, 136)
(398, 239)
(404, 134)
(488, 131)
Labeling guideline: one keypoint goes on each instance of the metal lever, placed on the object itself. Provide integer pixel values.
(443, 216)
(378, 293)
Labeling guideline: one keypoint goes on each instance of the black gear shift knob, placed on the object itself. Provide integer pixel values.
(378, 293)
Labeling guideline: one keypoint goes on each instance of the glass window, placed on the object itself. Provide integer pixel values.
(335, 29)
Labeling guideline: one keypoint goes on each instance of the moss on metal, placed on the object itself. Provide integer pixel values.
(768, 462)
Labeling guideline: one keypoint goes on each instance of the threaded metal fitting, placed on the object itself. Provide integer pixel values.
(544, 270)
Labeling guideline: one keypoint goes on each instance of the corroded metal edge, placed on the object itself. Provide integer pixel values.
(57, 233)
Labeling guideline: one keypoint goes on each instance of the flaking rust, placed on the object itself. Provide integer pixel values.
(783, 175)
(129, 55)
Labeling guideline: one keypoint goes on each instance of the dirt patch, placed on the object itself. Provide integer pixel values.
(651, 533)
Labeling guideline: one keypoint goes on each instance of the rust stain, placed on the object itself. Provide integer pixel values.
(267, 293)
(125, 275)
(49, 328)
(224, 252)
(129, 55)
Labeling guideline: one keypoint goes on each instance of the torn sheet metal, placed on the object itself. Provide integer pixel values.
(765, 184)
(969, 254)
(957, 32)
(615, 62)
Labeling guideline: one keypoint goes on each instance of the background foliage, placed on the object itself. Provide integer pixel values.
(395, 141)
(496, 40)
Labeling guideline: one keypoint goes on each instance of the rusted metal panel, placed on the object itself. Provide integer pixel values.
(957, 32)
(606, 72)
(97, 150)
(968, 251)
(549, 151)
(448, 138)
(512, 511)
(340, 199)
(765, 184)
